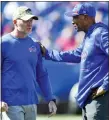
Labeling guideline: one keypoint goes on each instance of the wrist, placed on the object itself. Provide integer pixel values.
(54, 100)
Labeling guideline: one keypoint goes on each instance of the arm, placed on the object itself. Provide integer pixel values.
(103, 39)
(105, 85)
(67, 56)
(1, 48)
(44, 83)
(104, 42)
(104, 45)
(42, 77)
(43, 80)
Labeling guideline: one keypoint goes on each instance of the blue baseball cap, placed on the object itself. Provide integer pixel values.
(82, 9)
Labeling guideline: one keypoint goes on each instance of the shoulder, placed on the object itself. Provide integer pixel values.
(6, 39)
(36, 43)
(6, 42)
(100, 28)
(100, 33)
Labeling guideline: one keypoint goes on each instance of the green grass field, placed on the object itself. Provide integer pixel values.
(60, 117)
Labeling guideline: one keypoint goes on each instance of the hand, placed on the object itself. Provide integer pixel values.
(43, 49)
(3, 107)
(52, 108)
(98, 92)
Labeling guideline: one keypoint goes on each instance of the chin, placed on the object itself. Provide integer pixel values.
(29, 31)
(78, 30)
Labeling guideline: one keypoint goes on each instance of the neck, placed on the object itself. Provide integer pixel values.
(18, 34)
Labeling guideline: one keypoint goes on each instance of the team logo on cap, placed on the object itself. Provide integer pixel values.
(28, 11)
(75, 12)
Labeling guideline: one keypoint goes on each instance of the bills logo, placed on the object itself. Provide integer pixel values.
(32, 49)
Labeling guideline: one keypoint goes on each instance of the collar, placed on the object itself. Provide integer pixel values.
(93, 27)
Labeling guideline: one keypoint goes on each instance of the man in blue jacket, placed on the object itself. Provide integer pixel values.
(22, 70)
(93, 91)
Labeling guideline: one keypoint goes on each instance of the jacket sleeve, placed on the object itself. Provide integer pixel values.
(2, 47)
(104, 45)
(104, 41)
(67, 56)
(43, 79)
(105, 85)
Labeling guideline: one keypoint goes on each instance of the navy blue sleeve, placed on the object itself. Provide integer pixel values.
(1, 56)
(67, 56)
(3, 49)
(104, 45)
(105, 85)
(104, 42)
(43, 79)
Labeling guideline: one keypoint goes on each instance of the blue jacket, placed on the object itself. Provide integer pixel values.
(93, 55)
(22, 71)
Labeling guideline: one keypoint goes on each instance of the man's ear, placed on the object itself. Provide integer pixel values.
(14, 21)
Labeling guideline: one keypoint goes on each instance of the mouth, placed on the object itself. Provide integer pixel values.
(29, 28)
(76, 27)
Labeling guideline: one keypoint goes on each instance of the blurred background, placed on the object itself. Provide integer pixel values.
(55, 31)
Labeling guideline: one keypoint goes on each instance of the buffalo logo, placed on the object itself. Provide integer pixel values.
(32, 49)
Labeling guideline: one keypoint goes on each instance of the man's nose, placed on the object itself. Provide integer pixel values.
(29, 22)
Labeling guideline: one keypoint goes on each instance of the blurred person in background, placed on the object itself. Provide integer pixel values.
(22, 68)
(93, 54)
(66, 41)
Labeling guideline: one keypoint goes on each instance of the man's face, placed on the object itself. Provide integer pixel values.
(79, 22)
(24, 26)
